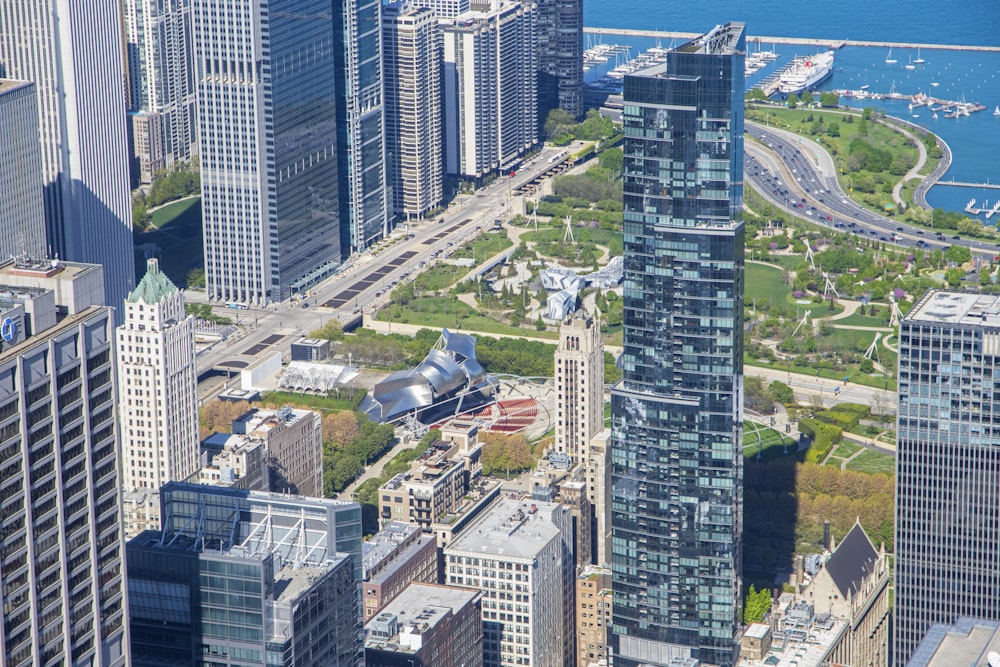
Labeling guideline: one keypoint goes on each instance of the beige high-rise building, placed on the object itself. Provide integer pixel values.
(593, 616)
(158, 396)
(22, 209)
(579, 366)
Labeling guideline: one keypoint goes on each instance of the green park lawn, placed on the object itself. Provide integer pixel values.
(765, 284)
(871, 461)
(440, 312)
(176, 240)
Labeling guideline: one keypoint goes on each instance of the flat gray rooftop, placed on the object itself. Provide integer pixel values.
(948, 306)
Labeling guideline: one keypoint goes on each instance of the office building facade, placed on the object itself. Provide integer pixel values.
(246, 578)
(412, 45)
(677, 414)
(268, 147)
(947, 466)
(519, 554)
(293, 448)
(560, 57)
(157, 390)
(161, 77)
(398, 554)
(61, 564)
(357, 51)
(73, 53)
(490, 89)
(22, 208)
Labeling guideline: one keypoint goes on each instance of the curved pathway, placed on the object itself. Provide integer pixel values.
(915, 171)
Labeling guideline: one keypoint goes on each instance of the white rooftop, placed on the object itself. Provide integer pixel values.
(947, 306)
(510, 528)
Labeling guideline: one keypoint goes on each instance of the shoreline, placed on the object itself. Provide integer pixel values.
(802, 41)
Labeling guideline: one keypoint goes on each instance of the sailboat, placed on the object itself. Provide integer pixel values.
(919, 60)
(909, 65)
(996, 110)
(889, 60)
(865, 86)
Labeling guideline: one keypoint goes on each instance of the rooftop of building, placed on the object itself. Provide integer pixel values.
(852, 561)
(513, 528)
(290, 583)
(7, 85)
(419, 607)
(40, 337)
(951, 307)
(384, 543)
(722, 40)
(801, 644)
(440, 458)
(154, 286)
(970, 642)
(261, 421)
(476, 494)
(44, 268)
(13, 295)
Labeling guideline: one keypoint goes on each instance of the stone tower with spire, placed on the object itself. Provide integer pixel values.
(157, 396)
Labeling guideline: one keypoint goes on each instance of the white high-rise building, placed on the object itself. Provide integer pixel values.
(579, 386)
(411, 41)
(158, 392)
(268, 147)
(22, 211)
(161, 75)
(72, 51)
(490, 89)
(519, 553)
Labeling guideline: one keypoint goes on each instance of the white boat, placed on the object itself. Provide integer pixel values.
(934, 84)
(934, 116)
(909, 65)
(996, 110)
(806, 73)
(889, 60)
(919, 60)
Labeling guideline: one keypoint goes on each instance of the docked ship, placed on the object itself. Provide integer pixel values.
(806, 73)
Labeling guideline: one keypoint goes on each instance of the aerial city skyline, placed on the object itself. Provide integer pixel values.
(447, 333)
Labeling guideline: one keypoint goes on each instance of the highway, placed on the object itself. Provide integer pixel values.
(797, 175)
(367, 278)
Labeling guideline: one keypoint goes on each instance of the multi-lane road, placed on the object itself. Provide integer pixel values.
(368, 278)
(797, 175)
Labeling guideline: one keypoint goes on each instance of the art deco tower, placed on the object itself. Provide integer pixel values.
(678, 413)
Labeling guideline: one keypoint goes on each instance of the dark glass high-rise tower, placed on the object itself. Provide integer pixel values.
(677, 472)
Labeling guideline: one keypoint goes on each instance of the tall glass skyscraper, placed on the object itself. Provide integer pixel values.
(364, 202)
(266, 108)
(677, 471)
(947, 465)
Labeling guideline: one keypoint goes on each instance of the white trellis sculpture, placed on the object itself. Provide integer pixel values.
(829, 286)
(804, 321)
(895, 314)
(873, 348)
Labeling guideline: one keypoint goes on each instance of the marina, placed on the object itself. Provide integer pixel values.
(983, 209)
(950, 108)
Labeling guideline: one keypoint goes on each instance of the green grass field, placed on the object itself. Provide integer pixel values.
(770, 445)
(765, 284)
(440, 312)
(859, 320)
(483, 247)
(871, 461)
(177, 209)
(441, 276)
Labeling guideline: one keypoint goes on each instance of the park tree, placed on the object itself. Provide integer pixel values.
(828, 100)
(612, 159)
(954, 277)
(780, 392)
(558, 122)
(755, 395)
(340, 428)
(806, 98)
(218, 415)
(793, 101)
(756, 94)
(504, 454)
(833, 129)
(959, 254)
(756, 605)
